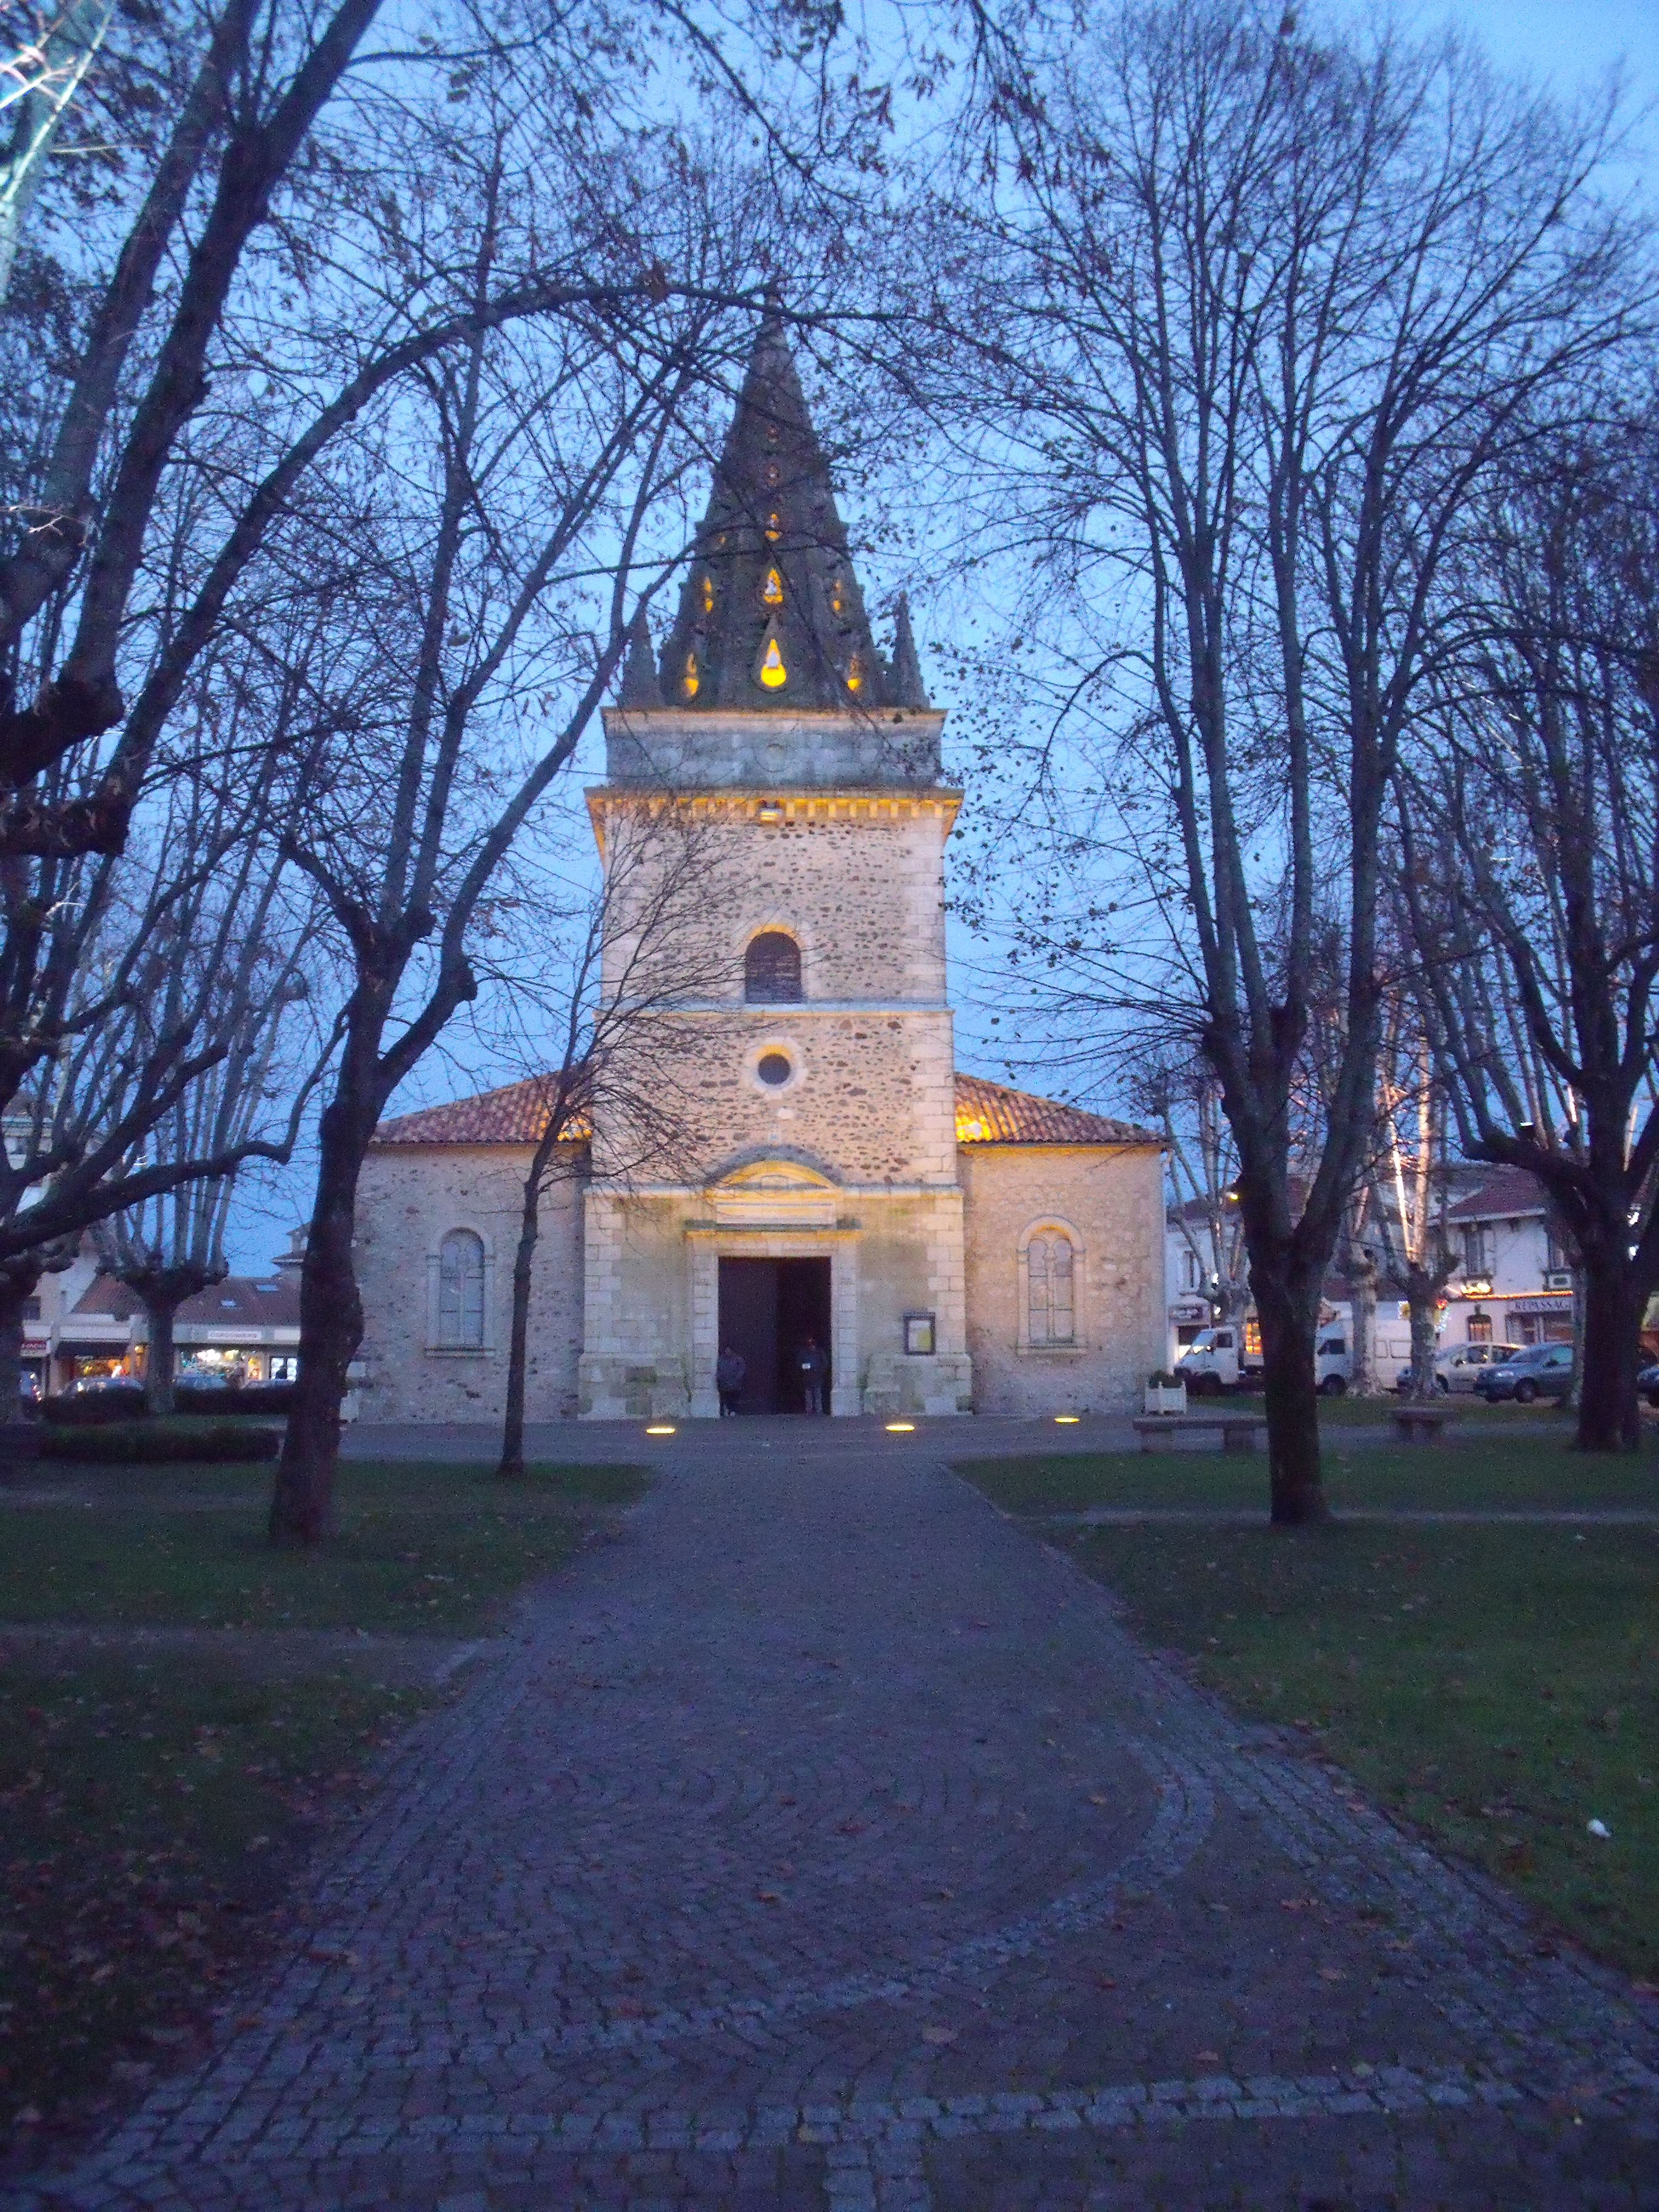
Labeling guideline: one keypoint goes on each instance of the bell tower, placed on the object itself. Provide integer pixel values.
(816, 1202)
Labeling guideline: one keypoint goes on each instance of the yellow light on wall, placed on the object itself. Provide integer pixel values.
(772, 673)
(708, 595)
(772, 589)
(774, 528)
(689, 679)
(855, 674)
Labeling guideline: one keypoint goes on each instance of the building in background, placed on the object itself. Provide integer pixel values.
(84, 1327)
(1514, 1284)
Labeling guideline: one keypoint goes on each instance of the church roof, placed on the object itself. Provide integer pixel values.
(992, 1113)
(987, 1114)
(770, 613)
(515, 1115)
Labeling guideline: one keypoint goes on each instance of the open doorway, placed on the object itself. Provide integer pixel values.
(769, 1309)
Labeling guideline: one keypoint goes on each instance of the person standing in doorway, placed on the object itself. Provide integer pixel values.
(730, 1369)
(811, 1363)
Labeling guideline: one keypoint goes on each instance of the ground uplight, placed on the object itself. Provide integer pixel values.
(1065, 1420)
(662, 1429)
(900, 1428)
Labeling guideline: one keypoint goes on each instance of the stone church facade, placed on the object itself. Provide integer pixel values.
(949, 1245)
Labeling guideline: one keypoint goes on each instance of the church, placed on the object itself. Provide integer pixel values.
(945, 1245)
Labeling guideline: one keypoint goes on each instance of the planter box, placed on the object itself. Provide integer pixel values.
(1166, 1397)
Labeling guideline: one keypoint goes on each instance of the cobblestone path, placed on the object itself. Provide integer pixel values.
(826, 1843)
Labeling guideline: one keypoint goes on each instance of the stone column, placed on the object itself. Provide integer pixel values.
(845, 1354)
(703, 1304)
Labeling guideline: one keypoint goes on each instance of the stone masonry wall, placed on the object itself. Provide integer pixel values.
(1114, 1199)
(858, 883)
(410, 1197)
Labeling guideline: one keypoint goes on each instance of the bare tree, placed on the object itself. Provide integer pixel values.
(1182, 1097)
(38, 78)
(1258, 311)
(1418, 1260)
(1531, 873)
(607, 993)
(548, 464)
(171, 1246)
(148, 1066)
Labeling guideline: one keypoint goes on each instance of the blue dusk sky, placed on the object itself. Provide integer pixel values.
(1570, 47)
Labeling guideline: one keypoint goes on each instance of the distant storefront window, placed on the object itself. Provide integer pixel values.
(1479, 1328)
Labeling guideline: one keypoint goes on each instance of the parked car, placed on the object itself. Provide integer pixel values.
(1459, 1366)
(1647, 1384)
(1537, 1371)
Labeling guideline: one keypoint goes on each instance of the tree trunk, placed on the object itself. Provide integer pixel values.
(1615, 1302)
(331, 1330)
(17, 1287)
(529, 1230)
(1423, 1299)
(160, 1309)
(1362, 1339)
(1288, 1313)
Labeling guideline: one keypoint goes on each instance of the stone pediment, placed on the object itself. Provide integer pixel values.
(774, 1190)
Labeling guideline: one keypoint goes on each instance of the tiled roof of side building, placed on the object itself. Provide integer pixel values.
(1507, 1192)
(992, 1113)
(515, 1115)
(250, 1301)
(987, 1114)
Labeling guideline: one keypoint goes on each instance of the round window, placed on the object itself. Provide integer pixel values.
(774, 1068)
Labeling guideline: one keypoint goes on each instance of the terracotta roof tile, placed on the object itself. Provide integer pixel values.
(516, 1114)
(987, 1114)
(269, 1301)
(1508, 1192)
(991, 1114)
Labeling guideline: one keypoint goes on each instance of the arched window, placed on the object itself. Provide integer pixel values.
(461, 1290)
(771, 970)
(1050, 1296)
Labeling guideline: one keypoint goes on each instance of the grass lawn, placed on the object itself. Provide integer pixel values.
(155, 1805)
(1499, 1687)
(1472, 1410)
(152, 1817)
(1481, 1470)
(420, 1547)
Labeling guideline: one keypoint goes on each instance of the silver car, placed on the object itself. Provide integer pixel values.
(1459, 1366)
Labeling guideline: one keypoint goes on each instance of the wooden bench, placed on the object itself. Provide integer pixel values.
(1237, 1431)
(1420, 1423)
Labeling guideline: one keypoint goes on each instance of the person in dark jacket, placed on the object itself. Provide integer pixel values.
(811, 1364)
(730, 1369)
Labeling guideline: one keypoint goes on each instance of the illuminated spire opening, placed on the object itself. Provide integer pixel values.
(772, 673)
(772, 589)
(689, 680)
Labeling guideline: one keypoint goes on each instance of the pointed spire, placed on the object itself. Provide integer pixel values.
(904, 681)
(770, 586)
(640, 687)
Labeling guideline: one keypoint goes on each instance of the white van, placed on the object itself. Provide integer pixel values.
(1215, 1360)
